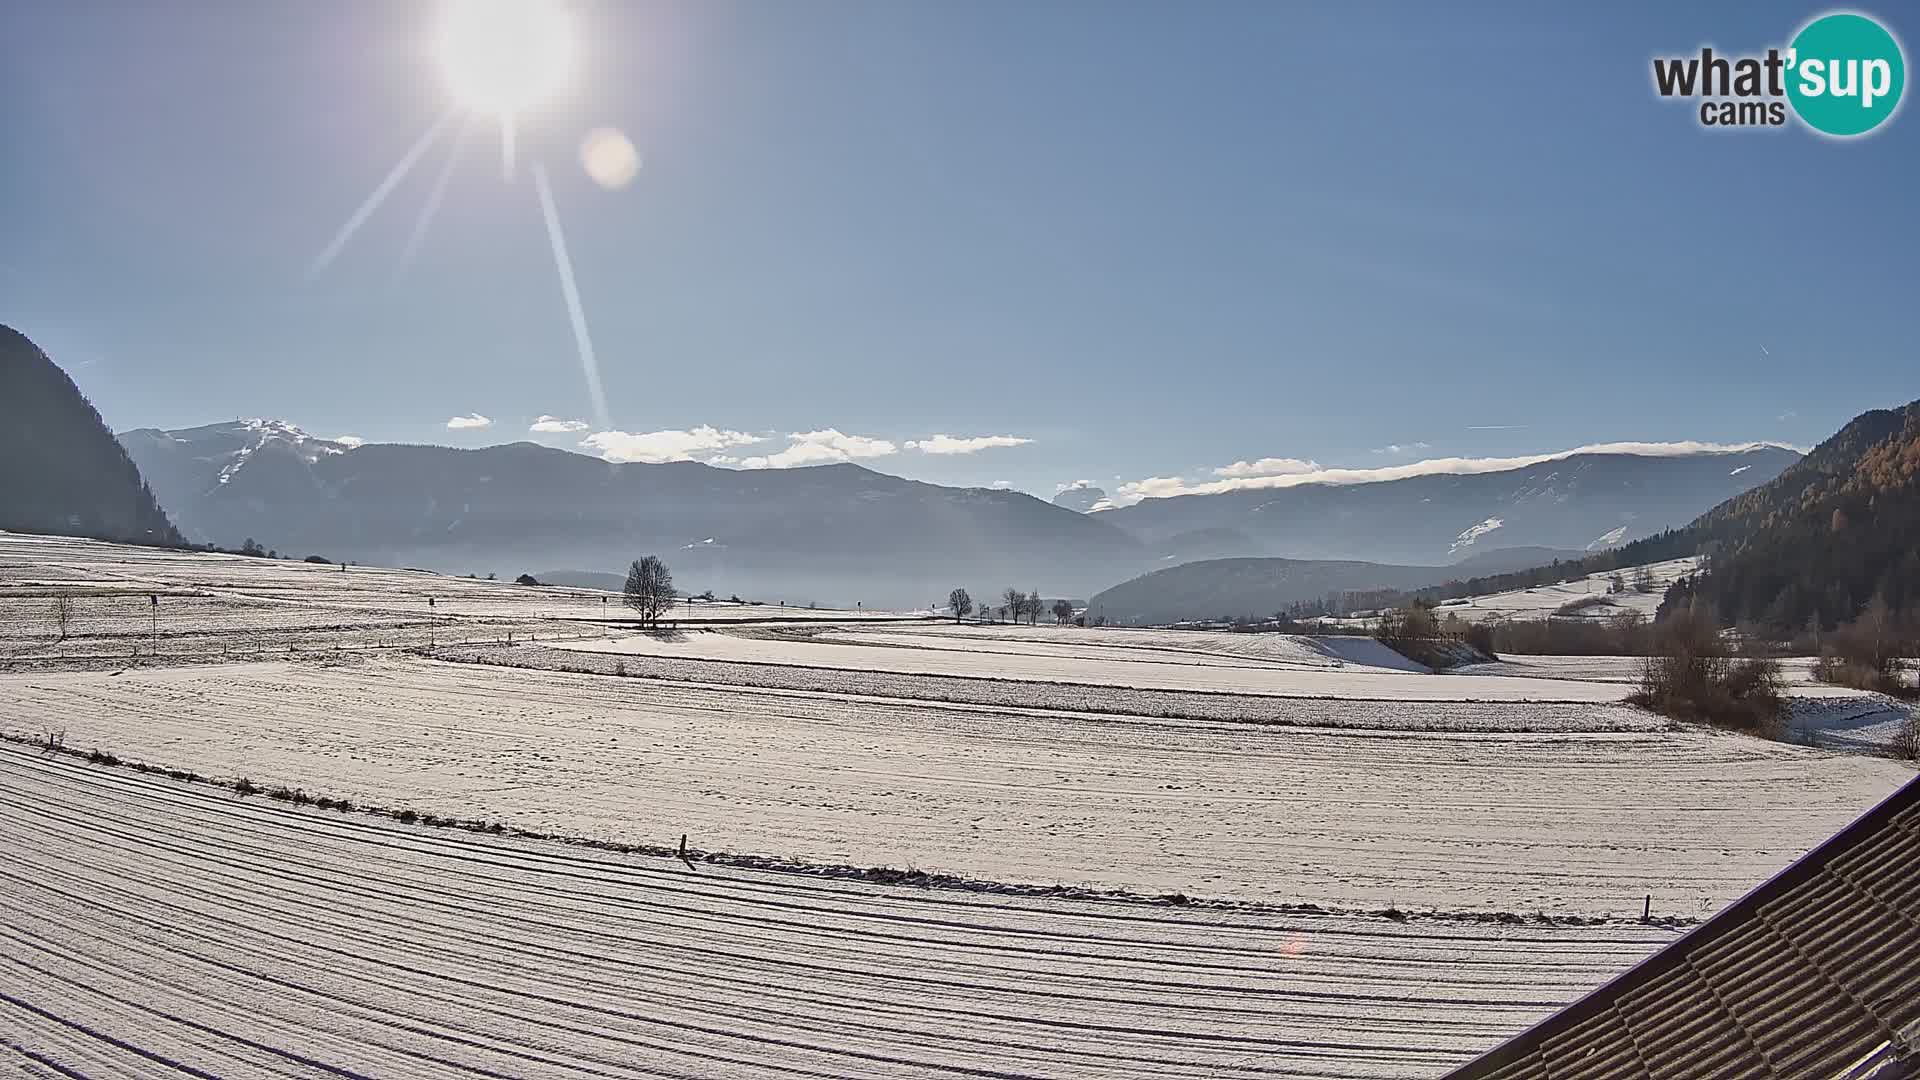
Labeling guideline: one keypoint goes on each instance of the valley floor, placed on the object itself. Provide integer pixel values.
(1475, 847)
(1564, 819)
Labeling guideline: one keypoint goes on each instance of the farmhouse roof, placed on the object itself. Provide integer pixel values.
(1814, 974)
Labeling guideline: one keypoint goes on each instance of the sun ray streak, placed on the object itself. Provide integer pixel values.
(575, 313)
(379, 195)
(432, 208)
(507, 134)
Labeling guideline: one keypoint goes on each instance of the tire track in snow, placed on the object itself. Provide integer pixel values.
(247, 939)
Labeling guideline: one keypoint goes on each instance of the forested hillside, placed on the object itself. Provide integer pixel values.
(1814, 543)
(1815, 551)
(61, 470)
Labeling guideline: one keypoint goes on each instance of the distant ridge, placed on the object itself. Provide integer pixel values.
(838, 534)
(63, 472)
(1825, 537)
(1583, 502)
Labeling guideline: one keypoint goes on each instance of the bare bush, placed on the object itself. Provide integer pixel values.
(62, 614)
(1866, 653)
(1625, 634)
(1906, 738)
(1690, 676)
(1576, 606)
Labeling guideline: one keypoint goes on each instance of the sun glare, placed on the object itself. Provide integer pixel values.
(504, 56)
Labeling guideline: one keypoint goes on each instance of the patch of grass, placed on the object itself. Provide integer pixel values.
(245, 786)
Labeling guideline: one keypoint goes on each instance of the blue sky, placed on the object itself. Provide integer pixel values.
(1152, 239)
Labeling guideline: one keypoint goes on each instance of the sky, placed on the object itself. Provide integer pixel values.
(1145, 246)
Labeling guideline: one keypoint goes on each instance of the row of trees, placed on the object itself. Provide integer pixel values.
(1015, 605)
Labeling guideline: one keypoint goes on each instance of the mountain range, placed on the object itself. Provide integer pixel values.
(842, 534)
(836, 533)
(1588, 501)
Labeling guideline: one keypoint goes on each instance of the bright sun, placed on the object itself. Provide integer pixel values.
(504, 56)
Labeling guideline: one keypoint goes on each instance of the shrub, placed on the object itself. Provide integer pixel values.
(1690, 677)
(1480, 636)
(245, 787)
(1576, 606)
(1625, 634)
(1906, 738)
(321, 560)
(1865, 654)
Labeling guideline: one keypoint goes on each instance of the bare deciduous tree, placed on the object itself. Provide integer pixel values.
(1033, 608)
(649, 589)
(1015, 604)
(62, 614)
(1062, 611)
(961, 603)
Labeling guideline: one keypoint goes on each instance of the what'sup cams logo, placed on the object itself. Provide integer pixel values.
(1842, 76)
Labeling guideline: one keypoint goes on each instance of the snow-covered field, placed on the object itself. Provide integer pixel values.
(149, 928)
(1069, 660)
(1546, 600)
(147, 924)
(1566, 820)
(233, 605)
(1184, 647)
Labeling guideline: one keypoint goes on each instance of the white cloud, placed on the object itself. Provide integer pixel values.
(1267, 466)
(553, 425)
(961, 444)
(822, 447)
(1401, 448)
(469, 421)
(1001, 485)
(1266, 473)
(1077, 485)
(670, 445)
(349, 441)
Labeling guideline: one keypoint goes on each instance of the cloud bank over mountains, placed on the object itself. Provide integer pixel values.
(1290, 472)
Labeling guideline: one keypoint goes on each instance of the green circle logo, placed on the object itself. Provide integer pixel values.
(1845, 74)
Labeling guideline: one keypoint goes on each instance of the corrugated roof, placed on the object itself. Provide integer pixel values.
(1816, 973)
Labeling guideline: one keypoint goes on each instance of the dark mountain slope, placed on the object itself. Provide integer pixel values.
(1825, 537)
(1776, 554)
(60, 469)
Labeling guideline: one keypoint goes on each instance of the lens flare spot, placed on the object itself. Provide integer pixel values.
(609, 157)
